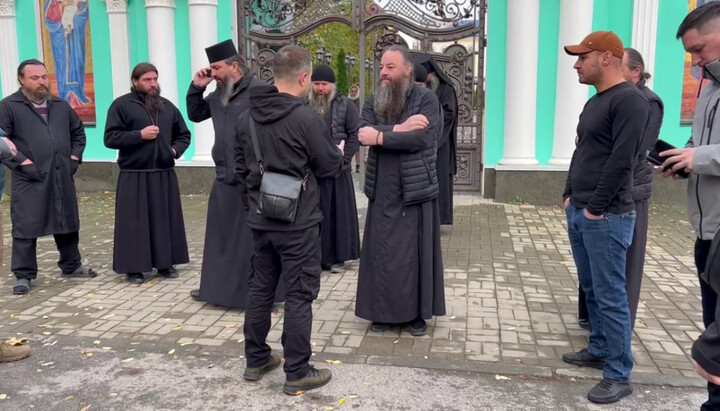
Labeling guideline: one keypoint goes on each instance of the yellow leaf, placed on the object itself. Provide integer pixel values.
(333, 362)
(327, 407)
(14, 315)
(171, 351)
(113, 394)
(45, 364)
(342, 401)
(17, 341)
(177, 328)
(352, 396)
(203, 359)
(107, 348)
(89, 354)
(501, 377)
(69, 397)
(231, 326)
(128, 359)
(85, 408)
(47, 333)
(185, 343)
(3, 396)
(96, 342)
(175, 357)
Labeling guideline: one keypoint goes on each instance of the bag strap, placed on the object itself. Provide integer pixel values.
(256, 146)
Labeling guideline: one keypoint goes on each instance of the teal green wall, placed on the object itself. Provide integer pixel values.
(102, 73)
(184, 66)
(549, 33)
(26, 30)
(495, 82)
(614, 15)
(137, 26)
(669, 67)
(225, 20)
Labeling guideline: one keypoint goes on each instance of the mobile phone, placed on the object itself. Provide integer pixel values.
(653, 156)
(208, 72)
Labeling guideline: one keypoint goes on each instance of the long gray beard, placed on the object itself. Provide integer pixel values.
(434, 83)
(321, 104)
(224, 91)
(390, 98)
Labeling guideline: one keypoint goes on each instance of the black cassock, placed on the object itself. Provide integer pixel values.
(447, 145)
(340, 237)
(149, 225)
(228, 246)
(401, 272)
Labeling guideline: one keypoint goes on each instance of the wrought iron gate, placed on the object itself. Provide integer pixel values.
(266, 25)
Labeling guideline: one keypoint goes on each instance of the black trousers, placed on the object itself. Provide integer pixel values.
(709, 303)
(634, 265)
(293, 258)
(24, 255)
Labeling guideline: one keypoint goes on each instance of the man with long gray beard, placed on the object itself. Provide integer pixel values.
(150, 133)
(401, 273)
(340, 236)
(228, 239)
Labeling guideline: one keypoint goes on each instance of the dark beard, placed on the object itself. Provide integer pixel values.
(390, 98)
(152, 101)
(321, 104)
(225, 90)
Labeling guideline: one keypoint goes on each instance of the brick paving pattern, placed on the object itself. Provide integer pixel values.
(511, 293)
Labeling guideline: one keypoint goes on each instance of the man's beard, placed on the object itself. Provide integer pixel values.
(225, 88)
(433, 83)
(152, 101)
(321, 103)
(39, 94)
(390, 98)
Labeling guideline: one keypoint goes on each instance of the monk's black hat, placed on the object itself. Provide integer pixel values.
(221, 51)
(420, 73)
(323, 73)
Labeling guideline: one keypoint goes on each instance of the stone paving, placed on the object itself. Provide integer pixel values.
(511, 294)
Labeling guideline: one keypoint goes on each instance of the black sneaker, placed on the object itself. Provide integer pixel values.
(195, 294)
(314, 379)
(379, 327)
(256, 373)
(168, 272)
(80, 272)
(417, 328)
(22, 286)
(337, 268)
(609, 391)
(583, 358)
(585, 324)
(136, 278)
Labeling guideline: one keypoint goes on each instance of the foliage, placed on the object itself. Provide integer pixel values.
(341, 73)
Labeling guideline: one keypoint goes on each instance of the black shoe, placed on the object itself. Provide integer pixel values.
(583, 358)
(325, 267)
(22, 286)
(584, 324)
(195, 294)
(379, 327)
(609, 391)
(256, 373)
(168, 272)
(314, 379)
(337, 268)
(80, 272)
(417, 328)
(136, 278)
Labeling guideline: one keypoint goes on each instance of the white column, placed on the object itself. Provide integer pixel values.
(521, 83)
(119, 48)
(644, 37)
(203, 33)
(570, 95)
(9, 60)
(161, 44)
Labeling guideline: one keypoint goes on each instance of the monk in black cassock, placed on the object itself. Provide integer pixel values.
(50, 140)
(340, 236)
(228, 239)
(441, 84)
(401, 273)
(150, 133)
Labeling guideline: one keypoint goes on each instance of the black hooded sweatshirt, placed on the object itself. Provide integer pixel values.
(293, 141)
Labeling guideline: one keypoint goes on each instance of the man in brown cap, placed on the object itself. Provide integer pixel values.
(600, 209)
(228, 240)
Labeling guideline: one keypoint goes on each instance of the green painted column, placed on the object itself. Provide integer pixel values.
(495, 82)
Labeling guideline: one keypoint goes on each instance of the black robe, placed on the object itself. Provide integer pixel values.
(149, 225)
(43, 199)
(401, 272)
(340, 236)
(447, 147)
(228, 245)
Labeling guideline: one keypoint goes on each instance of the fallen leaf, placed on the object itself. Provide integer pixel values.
(113, 394)
(45, 364)
(128, 359)
(14, 315)
(69, 397)
(175, 357)
(231, 326)
(47, 333)
(185, 343)
(352, 396)
(53, 343)
(345, 332)
(203, 359)
(89, 354)
(17, 341)
(573, 379)
(171, 351)
(301, 392)
(131, 350)
(327, 407)
(85, 408)
(107, 348)
(396, 341)
(96, 342)
(177, 328)
(3, 396)
(333, 362)
(501, 378)
(342, 401)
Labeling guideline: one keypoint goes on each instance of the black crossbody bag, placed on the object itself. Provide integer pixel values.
(279, 193)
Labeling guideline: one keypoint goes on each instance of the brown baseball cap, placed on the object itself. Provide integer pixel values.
(601, 41)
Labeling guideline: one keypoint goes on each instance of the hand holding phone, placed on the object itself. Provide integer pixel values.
(653, 157)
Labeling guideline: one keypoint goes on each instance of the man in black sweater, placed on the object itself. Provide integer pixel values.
(600, 208)
(292, 140)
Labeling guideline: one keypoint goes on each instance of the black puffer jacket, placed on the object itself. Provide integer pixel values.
(642, 176)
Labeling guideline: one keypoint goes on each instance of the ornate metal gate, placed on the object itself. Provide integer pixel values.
(451, 30)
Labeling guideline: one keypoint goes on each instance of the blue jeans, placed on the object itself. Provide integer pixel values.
(599, 248)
